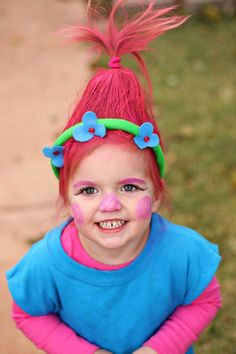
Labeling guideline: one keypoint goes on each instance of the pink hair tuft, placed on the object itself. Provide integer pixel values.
(134, 35)
(115, 92)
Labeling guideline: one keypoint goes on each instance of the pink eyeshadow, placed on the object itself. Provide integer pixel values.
(144, 208)
(131, 180)
(83, 183)
(77, 214)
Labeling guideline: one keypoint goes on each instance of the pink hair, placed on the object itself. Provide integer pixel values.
(117, 93)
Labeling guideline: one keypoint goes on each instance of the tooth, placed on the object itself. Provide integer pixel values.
(111, 224)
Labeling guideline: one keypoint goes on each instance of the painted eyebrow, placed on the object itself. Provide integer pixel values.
(132, 180)
(83, 183)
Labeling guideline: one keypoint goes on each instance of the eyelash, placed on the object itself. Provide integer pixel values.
(83, 190)
(133, 186)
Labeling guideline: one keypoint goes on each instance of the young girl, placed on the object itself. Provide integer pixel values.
(116, 277)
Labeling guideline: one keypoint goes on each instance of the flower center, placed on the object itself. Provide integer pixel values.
(91, 130)
(146, 139)
(55, 153)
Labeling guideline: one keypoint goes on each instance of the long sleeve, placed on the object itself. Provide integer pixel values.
(50, 334)
(185, 325)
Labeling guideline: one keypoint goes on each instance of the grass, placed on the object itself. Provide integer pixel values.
(196, 99)
(193, 73)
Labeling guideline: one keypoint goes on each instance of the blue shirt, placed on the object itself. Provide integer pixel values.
(117, 310)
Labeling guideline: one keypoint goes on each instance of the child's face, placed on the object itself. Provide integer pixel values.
(111, 198)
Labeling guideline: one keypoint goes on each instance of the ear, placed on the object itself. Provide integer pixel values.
(68, 210)
(156, 204)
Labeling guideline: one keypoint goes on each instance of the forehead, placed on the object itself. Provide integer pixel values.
(112, 161)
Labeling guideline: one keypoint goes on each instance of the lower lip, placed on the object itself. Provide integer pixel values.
(110, 231)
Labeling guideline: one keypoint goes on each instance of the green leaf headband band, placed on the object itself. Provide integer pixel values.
(92, 126)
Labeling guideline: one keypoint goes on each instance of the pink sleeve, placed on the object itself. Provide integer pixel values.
(184, 326)
(50, 334)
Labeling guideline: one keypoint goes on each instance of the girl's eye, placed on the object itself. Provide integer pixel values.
(87, 191)
(129, 188)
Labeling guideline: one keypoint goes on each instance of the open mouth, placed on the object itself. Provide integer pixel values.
(111, 225)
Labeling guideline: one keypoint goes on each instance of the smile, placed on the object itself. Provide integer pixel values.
(111, 224)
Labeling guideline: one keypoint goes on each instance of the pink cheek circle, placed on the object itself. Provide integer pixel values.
(77, 214)
(144, 208)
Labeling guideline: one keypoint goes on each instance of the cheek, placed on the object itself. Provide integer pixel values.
(144, 208)
(77, 214)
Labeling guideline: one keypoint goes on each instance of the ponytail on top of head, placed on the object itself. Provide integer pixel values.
(116, 92)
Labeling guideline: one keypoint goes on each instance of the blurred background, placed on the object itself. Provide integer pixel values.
(193, 74)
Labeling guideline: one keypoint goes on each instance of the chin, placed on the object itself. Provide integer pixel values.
(112, 243)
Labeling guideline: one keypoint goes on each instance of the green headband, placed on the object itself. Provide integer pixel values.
(92, 126)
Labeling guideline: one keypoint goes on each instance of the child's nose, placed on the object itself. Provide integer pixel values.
(110, 203)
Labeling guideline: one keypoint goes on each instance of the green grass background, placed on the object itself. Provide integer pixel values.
(193, 74)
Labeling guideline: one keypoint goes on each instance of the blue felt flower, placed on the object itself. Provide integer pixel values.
(89, 128)
(146, 138)
(55, 154)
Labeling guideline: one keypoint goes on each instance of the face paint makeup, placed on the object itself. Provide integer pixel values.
(132, 181)
(110, 203)
(144, 208)
(113, 220)
(77, 185)
(83, 183)
(77, 214)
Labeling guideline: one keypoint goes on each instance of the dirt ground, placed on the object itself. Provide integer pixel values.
(40, 80)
